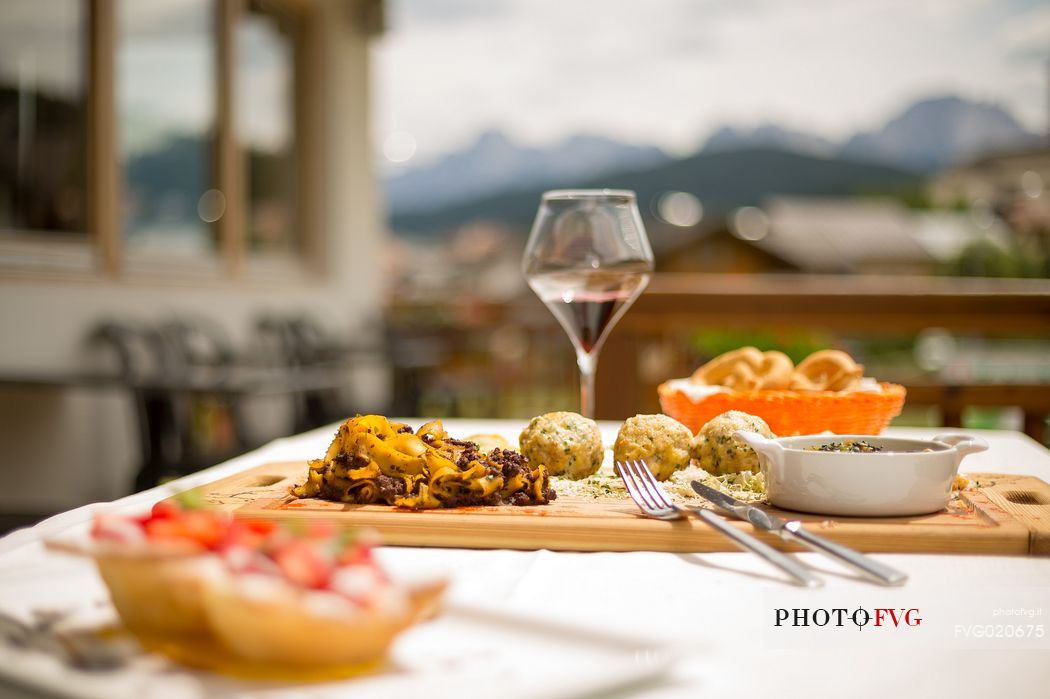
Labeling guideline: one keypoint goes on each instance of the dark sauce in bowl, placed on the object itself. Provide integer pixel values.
(860, 446)
(850, 446)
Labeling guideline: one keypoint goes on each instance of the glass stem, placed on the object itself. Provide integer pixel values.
(588, 364)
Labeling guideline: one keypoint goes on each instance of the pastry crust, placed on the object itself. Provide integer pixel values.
(746, 369)
(159, 596)
(827, 370)
(281, 628)
(157, 589)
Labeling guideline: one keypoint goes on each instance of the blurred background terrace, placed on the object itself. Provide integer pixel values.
(223, 221)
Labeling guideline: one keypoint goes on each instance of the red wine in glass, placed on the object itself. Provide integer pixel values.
(588, 259)
(588, 304)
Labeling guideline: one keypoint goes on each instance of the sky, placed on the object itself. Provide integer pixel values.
(660, 72)
(668, 72)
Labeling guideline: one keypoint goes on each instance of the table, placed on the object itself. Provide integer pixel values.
(716, 610)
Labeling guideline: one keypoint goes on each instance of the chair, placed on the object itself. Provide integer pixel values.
(298, 342)
(139, 351)
(200, 353)
(182, 426)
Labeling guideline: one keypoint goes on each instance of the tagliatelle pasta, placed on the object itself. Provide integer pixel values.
(372, 460)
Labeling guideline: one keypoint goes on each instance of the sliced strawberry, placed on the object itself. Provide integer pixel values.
(354, 555)
(165, 510)
(302, 565)
(207, 528)
(250, 535)
(117, 528)
(260, 526)
(171, 531)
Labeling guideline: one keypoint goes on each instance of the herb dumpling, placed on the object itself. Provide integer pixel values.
(488, 442)
(663, 442)
(568, 444)
(720, 451)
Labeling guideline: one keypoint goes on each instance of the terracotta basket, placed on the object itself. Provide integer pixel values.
(793, 412)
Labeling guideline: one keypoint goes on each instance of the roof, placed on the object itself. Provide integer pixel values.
(841, 235)
(944, 234)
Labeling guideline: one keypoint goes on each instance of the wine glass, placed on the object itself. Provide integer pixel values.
(588, 259)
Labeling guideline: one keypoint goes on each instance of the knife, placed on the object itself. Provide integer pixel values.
(793, 531)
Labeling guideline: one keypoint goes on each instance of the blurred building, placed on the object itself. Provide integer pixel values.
(832, 236)
(168, 159)
(1008, 184)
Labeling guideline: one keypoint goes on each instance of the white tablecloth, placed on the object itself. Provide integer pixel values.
(718, 609)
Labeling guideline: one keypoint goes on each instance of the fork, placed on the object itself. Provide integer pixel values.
(82, 650)
(654, 502)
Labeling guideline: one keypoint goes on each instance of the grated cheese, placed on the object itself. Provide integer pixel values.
(745, 486)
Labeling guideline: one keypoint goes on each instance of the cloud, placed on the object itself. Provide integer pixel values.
(164, 20)
(405, 15)
(40, 44)
(669, 72)
(1027, 36)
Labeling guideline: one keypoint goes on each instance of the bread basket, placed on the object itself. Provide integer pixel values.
(791, 412)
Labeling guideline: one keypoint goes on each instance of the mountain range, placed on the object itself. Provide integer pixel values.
(726, 179)
(495, 164)
(925, 137)
(936, 133)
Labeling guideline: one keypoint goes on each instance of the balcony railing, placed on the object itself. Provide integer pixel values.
(991, 308)
(651, 343)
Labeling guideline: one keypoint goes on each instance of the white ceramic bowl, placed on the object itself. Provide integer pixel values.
(908, 477)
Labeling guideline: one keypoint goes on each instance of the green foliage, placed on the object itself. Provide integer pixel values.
(885, 345)
(984, 258)
(192, 499)
(979, 418)
(910, 194)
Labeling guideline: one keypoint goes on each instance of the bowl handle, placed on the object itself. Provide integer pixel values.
(768, 448)
(963, 444)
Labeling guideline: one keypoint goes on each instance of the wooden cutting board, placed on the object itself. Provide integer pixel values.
(1005, 515)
